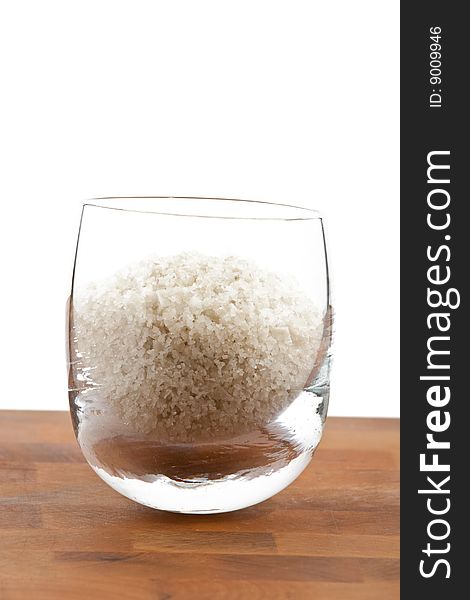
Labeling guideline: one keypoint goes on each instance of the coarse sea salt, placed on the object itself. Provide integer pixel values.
(193, 346)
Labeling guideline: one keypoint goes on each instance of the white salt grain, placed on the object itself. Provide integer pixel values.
(192, 346)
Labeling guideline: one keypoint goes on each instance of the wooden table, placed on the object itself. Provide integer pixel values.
(64, 534)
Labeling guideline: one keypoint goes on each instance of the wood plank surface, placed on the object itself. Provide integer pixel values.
(64, 534)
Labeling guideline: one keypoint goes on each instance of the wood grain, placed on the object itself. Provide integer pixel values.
(333, 534)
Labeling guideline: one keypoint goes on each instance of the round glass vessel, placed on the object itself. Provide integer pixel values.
(199, 334)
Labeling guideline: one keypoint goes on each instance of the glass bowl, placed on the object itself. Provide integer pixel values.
(199, 334)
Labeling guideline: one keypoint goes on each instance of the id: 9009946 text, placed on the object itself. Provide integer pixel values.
(435, 67)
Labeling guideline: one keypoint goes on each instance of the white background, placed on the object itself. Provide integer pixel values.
(286, 101)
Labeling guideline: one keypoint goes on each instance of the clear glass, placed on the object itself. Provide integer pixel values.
(199, 338)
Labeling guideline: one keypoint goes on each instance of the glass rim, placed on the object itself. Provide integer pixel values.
(289, 212)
